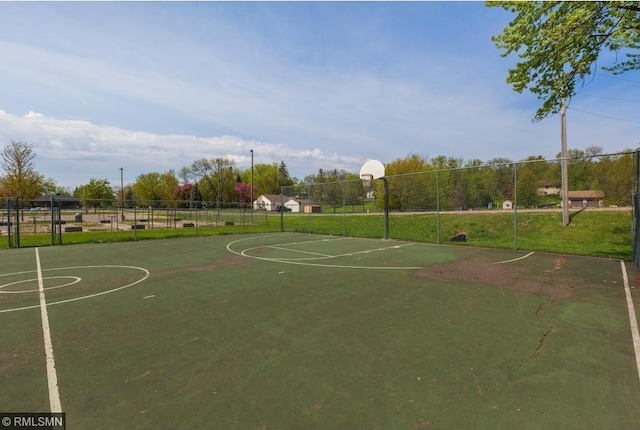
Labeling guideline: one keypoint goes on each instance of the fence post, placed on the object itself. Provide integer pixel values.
(281, 209)
(309, 189)
(53, 223)
(636, 203)
(17, 230)
(386, 207)
(8, 211)
(11, 238)
(438, 206)
(636, 170)
(196, 216)
(515, 206)
(344, 208)
(135, 220)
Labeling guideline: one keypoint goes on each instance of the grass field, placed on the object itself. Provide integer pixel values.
(602, 233)
(595, 233)
(302, 331)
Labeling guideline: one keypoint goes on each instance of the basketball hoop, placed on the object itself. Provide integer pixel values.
(367, 179)
(373, 169)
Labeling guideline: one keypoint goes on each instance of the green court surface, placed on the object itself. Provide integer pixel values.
(296, 331)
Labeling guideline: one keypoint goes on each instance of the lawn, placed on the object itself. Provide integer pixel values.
(602, 233)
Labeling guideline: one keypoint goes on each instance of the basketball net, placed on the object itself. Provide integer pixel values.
(367, 179)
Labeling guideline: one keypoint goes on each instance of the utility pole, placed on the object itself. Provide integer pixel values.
(564, 164)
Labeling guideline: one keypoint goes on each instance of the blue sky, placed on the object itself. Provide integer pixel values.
(154, 86)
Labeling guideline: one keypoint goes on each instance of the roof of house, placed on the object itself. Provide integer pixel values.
(48, 197)
(275, 198)
(585, 194)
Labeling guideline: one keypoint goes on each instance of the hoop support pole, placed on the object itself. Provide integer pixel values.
(386, 208)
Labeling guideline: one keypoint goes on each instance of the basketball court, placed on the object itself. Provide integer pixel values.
(291, 330)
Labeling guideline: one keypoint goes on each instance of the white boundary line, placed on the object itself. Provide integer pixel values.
(52, 377)
(281, 248)
(318, 255)
(147, 274)
(515, 259)
(633, 321)
(75, 281)
(305, 262)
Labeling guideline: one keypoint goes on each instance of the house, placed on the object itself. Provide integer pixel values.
(59, 201)
(548, 190)
(507, 205)
(293, 205)
(585, 198)
(270, 202)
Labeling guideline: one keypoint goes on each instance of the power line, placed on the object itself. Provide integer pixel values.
(618, 78)
(604, 116)
(609, 98)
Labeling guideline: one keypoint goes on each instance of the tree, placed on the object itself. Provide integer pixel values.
(185, 174)
(243, 190)
(21, 179)
(614, 175)
(96, 193)
(354, 192)
(316, 186)
(215, 178)
(156, 187)
(202, 170)
(299, 189)
(408, 192)
(284, 179)
(558, 43)
(267, 179)
(184, 192)
(196, 196)
(50, 187)
(526, 187)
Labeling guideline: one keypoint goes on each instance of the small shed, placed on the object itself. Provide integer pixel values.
(585, 198)
(507, 205)
(312, 209)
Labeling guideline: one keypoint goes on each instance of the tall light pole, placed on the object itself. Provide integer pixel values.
(251, 201)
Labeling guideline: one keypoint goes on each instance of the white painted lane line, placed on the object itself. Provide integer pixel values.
(282, 248)
(147, 274)
(515, 259)
(52, 377)
(633, 321)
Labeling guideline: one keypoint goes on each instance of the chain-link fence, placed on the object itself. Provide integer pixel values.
(53, 220)
(510, 205)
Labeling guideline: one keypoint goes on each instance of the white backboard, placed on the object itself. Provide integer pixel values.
(372, 167)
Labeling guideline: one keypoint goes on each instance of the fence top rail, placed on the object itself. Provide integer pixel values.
(482, 165)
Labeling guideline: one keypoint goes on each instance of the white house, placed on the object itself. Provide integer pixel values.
(270, 202)
(292, 204)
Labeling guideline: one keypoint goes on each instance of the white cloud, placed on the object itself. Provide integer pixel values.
(120, 88)
(72, 152)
